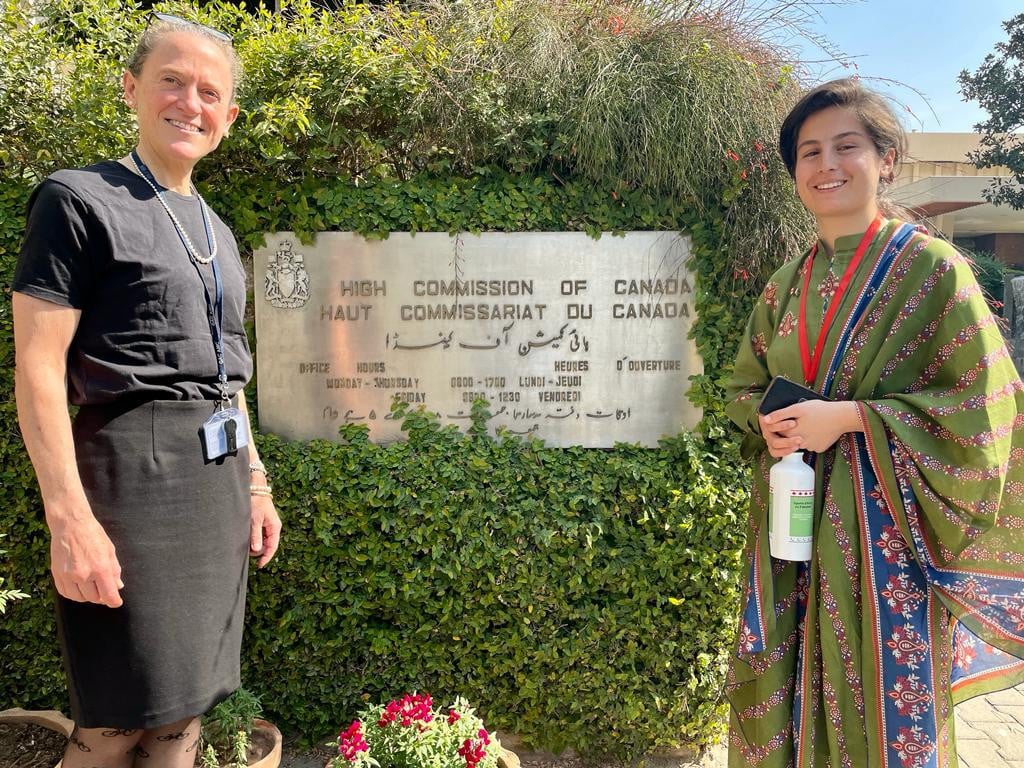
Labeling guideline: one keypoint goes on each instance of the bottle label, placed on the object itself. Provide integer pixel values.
(801, 515)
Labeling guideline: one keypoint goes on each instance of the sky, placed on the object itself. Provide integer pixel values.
(923, 44)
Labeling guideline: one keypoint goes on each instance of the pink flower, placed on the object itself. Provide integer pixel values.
(391, 711)
(474, 750)
(408, 710)
(351, 741)
(453, 717)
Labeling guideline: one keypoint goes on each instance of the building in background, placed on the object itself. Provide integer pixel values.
(939, 183)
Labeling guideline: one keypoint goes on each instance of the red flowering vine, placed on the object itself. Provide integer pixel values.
(351, 741)
(732, 155)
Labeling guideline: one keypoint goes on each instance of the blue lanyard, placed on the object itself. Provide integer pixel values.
(215, 305)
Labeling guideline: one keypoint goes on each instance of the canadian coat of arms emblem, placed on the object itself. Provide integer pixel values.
(287, 279)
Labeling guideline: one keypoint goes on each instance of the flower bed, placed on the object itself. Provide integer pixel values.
(409, 733)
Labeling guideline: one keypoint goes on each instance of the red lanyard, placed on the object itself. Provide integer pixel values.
(811, 363)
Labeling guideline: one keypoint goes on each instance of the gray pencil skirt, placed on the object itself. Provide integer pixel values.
(180, 526)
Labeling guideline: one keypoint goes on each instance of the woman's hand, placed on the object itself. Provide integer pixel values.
(83, 561)
(264, 527)
(814, 425)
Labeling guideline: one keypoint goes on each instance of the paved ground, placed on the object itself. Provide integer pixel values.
(989, 734)
(990, 730)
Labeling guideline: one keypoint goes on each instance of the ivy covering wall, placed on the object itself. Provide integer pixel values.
(578, 597)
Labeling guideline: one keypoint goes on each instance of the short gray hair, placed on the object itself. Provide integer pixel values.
(160, 28)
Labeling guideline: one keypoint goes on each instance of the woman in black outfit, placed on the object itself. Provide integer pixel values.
(129, 303)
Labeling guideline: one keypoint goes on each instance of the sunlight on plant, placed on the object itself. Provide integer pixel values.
(8, 595)
(227, 731)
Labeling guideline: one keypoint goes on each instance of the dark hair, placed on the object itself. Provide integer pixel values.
(871, 109)
(161, 27)
(873, 112)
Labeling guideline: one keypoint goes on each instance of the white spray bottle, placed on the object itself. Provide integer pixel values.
(791, 508)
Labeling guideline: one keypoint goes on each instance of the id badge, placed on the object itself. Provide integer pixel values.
(223, 433)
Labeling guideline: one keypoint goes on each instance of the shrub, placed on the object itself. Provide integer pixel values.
(992, 275)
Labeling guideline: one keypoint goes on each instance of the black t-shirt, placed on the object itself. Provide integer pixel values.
(98, 240)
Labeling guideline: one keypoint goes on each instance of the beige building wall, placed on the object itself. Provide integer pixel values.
(942, 154)
(939, 183)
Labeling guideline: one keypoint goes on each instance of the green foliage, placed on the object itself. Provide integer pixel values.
(998, 86)
(992, 275)
(584, 598)
(8, 595)
(227, 731)
(626, 96)
(502, 571)
(60, 87)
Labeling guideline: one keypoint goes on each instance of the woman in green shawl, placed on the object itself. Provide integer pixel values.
(913, 599)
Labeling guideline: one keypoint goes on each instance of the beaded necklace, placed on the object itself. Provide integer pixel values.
(211, 236)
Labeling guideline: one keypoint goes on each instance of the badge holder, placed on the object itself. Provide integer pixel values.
(223, 433)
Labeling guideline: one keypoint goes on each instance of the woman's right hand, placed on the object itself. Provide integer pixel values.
(84, 563)
(779, 445)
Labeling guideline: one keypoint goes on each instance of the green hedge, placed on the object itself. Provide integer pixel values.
(580, 598)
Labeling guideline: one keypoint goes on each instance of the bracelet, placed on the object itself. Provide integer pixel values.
(257, 466)
(260, 490)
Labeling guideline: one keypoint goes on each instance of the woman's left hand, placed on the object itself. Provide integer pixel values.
(264, 529)
(817, 424)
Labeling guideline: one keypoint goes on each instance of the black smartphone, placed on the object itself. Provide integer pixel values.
(782, 393)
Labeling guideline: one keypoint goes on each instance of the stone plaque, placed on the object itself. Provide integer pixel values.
(573, 340)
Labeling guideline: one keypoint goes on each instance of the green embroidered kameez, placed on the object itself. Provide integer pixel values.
(847, 663)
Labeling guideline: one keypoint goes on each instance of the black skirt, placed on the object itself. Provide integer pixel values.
(180, 526)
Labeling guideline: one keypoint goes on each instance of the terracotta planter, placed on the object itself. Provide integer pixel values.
(46, 718)
(266, 741)
(266, 738)
(508, 759)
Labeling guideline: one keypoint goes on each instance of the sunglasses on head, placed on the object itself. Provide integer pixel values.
(172, 19)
